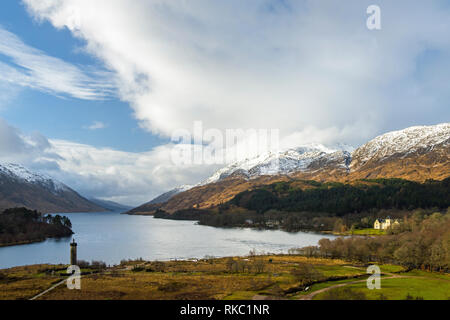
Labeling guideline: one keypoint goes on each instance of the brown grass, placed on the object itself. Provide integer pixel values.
(25, 282)
(204, 279)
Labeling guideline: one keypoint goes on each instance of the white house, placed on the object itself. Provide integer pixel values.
(383, 224)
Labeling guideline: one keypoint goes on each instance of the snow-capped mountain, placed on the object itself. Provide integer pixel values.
(307, 157)
(20, 173)
(284, 162)
(402, 143)
(313, 157)
(416, 153)
(20, 187)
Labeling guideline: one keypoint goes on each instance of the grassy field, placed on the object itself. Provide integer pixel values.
(24, 282)
(425, 288)
(274, 277)
(367, 232)
(360, 232)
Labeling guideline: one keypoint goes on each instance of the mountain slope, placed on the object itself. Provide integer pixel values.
(248, 173)
(304, 158)
(19, 187)
(416, 153)
(110, 205)
(401, 144)
(169, 194)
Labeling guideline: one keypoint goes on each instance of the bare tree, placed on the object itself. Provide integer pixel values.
(259, 264)
(306, 273)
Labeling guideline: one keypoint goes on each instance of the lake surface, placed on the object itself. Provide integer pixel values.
(111, 237)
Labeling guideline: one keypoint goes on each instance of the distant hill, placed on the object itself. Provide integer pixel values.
(416, 154)
(110, 205)
(169, 194)
(20, 187)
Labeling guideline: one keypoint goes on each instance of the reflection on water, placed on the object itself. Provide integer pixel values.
(111, 237)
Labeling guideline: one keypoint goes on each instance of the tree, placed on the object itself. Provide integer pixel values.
(437, 256)
(66, 222)
(231, 265)
(259, 264)
(306, 273)
(339, 226)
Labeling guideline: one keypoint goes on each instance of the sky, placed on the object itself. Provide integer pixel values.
(92, 91)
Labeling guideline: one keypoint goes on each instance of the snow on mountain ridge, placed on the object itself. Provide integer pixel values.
(403, 142)
(19, 172)
(314, 157)
(282, 162)
(292, 160)
(271, 163)
(184, 187)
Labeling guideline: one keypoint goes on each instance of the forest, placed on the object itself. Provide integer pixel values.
(420, 241)
(21, 225)
(294, 221)
(331, 206)
(340, 199)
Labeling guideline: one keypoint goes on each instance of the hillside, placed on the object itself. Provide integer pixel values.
(20, 225)
(110, 205)
(415, 154)
(19, 187)
(322, 207)
(340, 199)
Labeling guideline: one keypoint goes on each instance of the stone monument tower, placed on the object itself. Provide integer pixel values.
(73, 253)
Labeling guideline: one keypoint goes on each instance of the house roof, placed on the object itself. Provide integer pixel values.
(384, 220)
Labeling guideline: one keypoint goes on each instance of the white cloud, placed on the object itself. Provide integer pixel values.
(17, 147)
(310, 68)
(126, 177)
(96, 125)
(29, 67)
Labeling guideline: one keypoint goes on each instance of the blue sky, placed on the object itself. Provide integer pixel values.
(67, 118)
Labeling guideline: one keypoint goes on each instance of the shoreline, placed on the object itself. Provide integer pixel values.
(21, 243)
(3, 245)
(366, 232)
(321, 232)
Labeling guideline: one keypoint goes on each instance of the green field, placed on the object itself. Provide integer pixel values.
(399, 289)
(367, 232)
